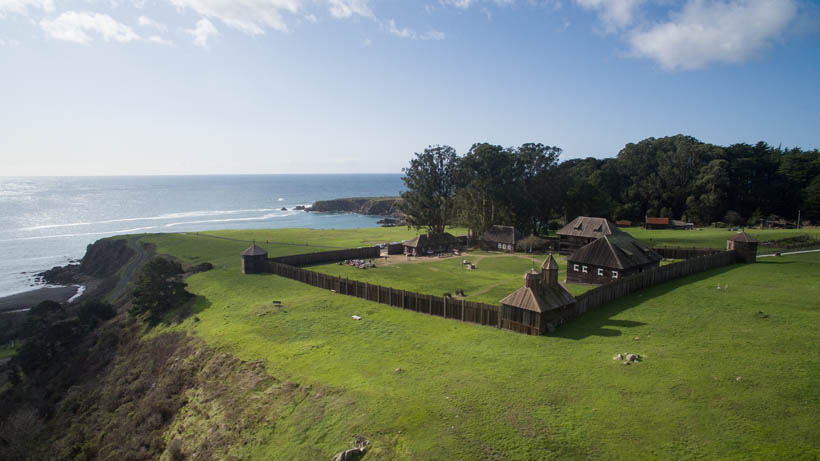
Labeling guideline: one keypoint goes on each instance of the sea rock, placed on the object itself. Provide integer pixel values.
(284, 209)
(299, 207)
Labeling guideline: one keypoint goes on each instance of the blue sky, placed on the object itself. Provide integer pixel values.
(103, 87)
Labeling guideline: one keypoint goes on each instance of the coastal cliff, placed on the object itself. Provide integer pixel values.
(373, 206)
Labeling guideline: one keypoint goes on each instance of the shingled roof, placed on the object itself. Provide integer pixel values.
(584, 226)
(541, 299)
(743, 237)
(620, 251)
(502, 234)
(254, 250)
(431, 239)
(658, 221)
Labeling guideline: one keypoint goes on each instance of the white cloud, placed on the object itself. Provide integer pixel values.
(614, 14)
(464, 4)
(72, 26)
(249, 16)
(10, 43)
(202, 32)
(145, 21)
(404, 32)
(347, 8)
(21, 6)
(159, 40)
(706, 32)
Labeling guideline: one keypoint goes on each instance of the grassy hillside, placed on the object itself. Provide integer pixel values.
(720, 379)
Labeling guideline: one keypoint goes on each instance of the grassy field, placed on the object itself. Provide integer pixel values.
(7, 351)
(496, 274)
(720, 379)
(715, 238)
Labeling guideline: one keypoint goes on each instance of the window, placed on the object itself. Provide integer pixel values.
(584, 269)
(614, 274)
(575, 267)
(600, 272)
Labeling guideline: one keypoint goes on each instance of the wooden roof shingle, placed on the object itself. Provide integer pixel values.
(743, 237)
(254, 250)
(620, 251)
(502, 234)
(589, 227)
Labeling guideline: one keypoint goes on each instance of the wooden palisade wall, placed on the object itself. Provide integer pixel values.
(480, 313)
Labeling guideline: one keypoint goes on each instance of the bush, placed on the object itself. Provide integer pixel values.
(159, 289)
(92, 312)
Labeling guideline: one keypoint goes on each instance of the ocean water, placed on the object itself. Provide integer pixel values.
(49, 221)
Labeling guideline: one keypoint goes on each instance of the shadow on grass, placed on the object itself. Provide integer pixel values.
(194, 306)
(595, 323)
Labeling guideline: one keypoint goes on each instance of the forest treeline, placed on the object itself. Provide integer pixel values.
(677, 177)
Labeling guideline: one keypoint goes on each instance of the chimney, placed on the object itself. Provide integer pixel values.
(549, 271)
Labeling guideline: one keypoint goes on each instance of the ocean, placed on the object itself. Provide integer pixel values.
(49, 221)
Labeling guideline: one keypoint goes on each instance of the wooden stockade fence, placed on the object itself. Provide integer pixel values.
(611, 291)
(685, 253)
(481, 313)
(449, 308)
(328, 256)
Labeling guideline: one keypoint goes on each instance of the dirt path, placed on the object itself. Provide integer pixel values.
(118, 290)
(786, 253)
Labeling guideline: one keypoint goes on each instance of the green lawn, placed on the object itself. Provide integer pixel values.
(7, 351)
(714, 238)
(496, 275)
(719, 379)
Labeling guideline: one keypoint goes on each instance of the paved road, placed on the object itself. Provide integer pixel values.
(133, 242)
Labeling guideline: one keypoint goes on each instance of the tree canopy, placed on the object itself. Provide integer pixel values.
(677, 177)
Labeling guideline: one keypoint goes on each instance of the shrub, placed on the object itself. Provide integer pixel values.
(91, 312)
(159, 289)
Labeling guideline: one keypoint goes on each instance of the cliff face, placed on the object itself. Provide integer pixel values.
(374, 206)
(102, 259)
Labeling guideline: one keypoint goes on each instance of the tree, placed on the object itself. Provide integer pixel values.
(811, 200)
(430, 180)
(708, 199)
(159, 289)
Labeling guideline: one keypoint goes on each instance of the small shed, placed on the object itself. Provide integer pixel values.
(609, 258)
(623, 223)
(502, 238)
(657, 223)
(744, 245)
(429, 244)
(538, 306)
(253, 259)
(583, 230)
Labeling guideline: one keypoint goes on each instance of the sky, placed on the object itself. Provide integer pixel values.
(129, 87)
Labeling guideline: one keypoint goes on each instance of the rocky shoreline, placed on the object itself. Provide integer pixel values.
(371, 206)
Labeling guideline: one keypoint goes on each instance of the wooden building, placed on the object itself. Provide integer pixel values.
(540, 305)
(656, 223)
(666, 223)
(253, 259)
(623, 223)
(583, 230)
(744, 245)
(501, 238)
(430, 244)
(610, 258)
